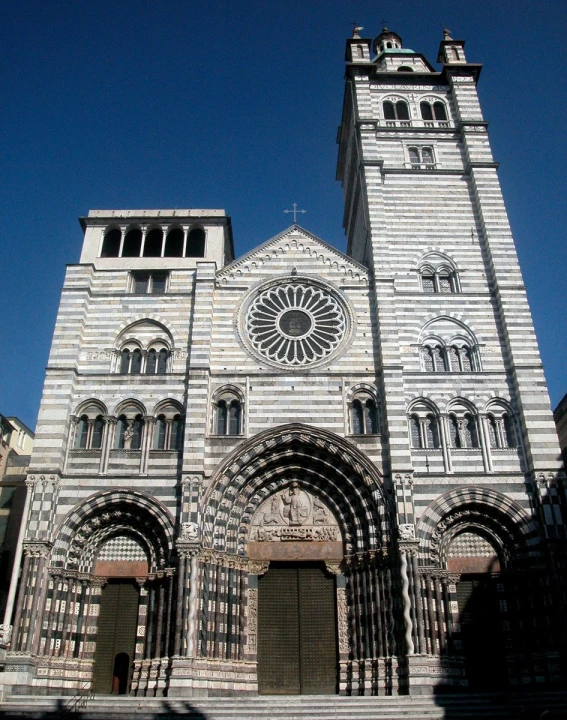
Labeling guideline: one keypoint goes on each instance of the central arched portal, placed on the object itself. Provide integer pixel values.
(297, 620)
(305, 510)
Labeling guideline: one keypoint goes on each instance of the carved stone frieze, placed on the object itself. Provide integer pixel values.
(342, 620)
(189, 531)
(406, 531)
(258, 567)
(252, 621)
(294, 514)
(37, 549)
(5, 634)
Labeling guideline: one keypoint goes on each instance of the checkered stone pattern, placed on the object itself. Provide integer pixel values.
(122, 548)
(45, 493)
(469, 544)
(478, 501)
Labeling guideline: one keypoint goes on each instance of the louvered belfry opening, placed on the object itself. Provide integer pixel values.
(297, 630)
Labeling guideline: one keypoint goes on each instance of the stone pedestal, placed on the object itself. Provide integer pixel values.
(200, 677)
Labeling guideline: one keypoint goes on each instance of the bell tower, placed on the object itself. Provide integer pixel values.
(424, 212)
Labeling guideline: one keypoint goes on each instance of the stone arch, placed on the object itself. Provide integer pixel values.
(324, 464)
(485, 510)
(109, 514)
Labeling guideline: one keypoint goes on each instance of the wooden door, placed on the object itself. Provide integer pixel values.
(116, 637)
(297, 630)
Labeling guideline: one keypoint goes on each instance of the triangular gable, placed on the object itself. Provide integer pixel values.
(295, 238)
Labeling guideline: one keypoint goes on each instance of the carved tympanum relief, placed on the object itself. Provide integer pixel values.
(294, 514)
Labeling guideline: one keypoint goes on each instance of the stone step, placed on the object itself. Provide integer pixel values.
(455, 707)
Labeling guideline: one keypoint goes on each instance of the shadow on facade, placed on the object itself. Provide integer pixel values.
(505, 655)
(166, 711)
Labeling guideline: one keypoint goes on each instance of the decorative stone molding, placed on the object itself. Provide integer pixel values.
(342, 620)
(5, 634)
(252, 645)
(37, 549)
(258, 567)
(406, 531)
(189, 531)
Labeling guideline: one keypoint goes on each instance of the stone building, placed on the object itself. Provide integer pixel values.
(301, 471)
(16, 443)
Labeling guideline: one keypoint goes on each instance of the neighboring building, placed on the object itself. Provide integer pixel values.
(560, 417)
(16, 446)
(303, 471)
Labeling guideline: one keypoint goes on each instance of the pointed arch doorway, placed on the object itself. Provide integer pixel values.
(297, 630)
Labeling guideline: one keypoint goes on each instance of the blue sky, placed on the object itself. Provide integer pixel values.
(235, 105)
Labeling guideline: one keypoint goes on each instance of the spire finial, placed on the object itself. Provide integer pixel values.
(356, 29)
(447, 34)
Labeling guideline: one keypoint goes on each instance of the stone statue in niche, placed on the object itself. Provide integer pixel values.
(294, 514)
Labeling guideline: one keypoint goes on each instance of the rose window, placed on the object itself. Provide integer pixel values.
(295, 324)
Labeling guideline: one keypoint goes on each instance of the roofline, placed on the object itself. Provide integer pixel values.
(279, 236)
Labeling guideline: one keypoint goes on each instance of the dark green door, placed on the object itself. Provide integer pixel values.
(116, 637)
(481, 632)
(297, 630)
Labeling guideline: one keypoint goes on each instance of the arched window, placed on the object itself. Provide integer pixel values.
(162, 362)
(435, 112)
(424, 429)
(174, 243)
(228, 411)
(432, 431)
(136, 362)
(428, 363)
(168, 431)
(234, 418)
(426, 111)
(82, 432)
(509, 433)
(364, 415)
(89, 429)
(453, 353)
(132, 243)
(436, 277)
(454, 432)
(125, 361)
(465, 356)
(195, 243)
(153, 243)
(176, 441)
(405, 68)
(492, 431)
(98, 429)
(397, 111)
(370, 417)
(222, 417)
(470, 431)
(415, 432)
(501, 430)
(137, 427)
(111, 243)
(151, 362)
(357, 418)
(159, 433)
(439, 110)
(463, 430)
(121, 432)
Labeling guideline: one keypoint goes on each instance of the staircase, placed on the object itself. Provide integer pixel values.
(294, 707)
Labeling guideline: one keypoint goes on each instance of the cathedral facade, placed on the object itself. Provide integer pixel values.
(301, 471)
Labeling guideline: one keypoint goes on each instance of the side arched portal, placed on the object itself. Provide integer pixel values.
(109, 588)
(478, 555)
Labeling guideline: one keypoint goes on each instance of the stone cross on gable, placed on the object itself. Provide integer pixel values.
(295, 211)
